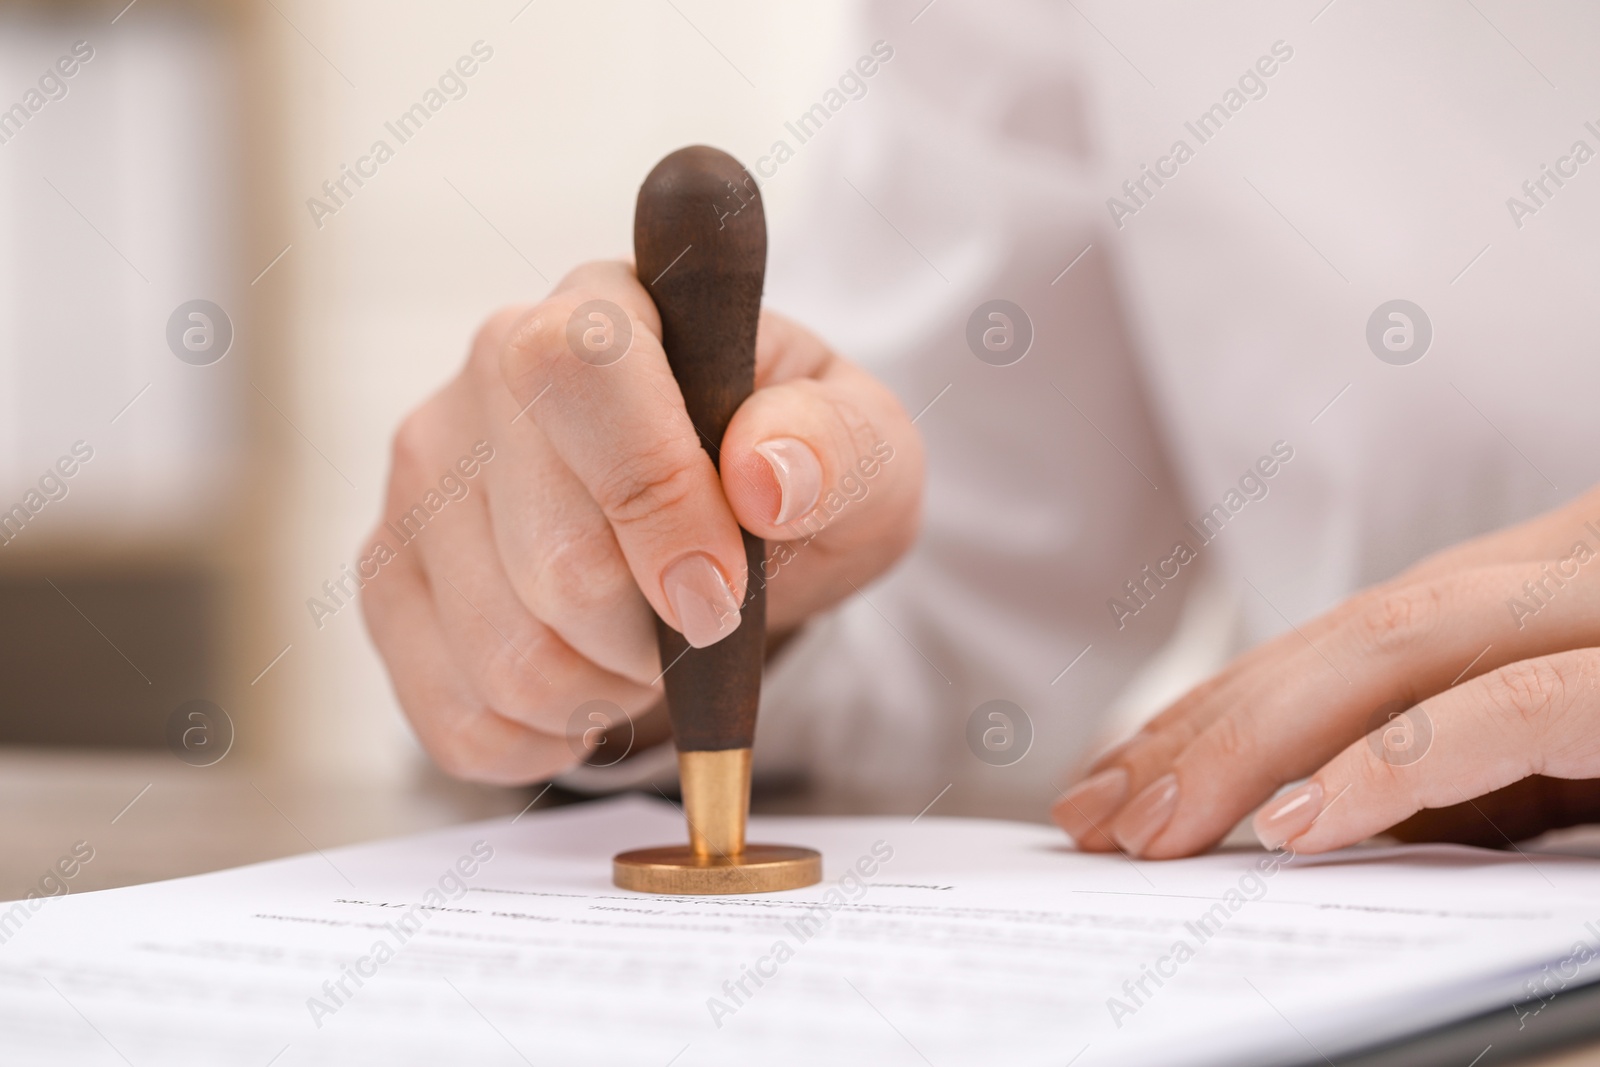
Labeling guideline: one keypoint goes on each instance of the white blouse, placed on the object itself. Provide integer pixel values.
(1207, 215)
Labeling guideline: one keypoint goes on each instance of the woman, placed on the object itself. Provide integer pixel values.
(1270, 317)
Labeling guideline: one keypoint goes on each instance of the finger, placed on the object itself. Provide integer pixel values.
(465, 738)
(1561, 536)
(1086, 810)
(1101, 791)
(438, 524)
(1535, 716)
(557, 549)
(1288, 712)
(517, 666)
(622, 430)
(1387, 614)
(1379, 611)
(831, 457)
(1178, 723)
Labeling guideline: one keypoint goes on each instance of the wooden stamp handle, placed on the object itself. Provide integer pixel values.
(700, 242)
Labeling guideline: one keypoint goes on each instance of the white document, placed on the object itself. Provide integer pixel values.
(935, 941)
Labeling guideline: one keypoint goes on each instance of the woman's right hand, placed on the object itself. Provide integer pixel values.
(504, 599)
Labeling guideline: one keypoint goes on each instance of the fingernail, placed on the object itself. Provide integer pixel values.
(1087, 805)
(799, 476)
(706, 608)
(1289, 816)
(1146, 814)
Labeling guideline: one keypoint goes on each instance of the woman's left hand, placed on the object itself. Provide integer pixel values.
(1460, 701)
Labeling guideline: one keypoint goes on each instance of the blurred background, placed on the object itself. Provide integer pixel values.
(182, 161)
(233, 257)
(186, 159)
(219, 297)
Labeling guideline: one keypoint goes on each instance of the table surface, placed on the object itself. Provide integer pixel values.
(149, 816)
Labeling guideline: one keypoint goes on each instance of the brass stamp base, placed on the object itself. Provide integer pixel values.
(678, 869)
(716, 799)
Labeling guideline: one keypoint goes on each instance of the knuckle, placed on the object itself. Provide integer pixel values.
(851, 434)
(580, 575)
(1396, 620)
(1180, 713)
(533, 344)
(1157, 744)
(1381, 777)
(1228, 739)
(858, 430)
(1530, 689)
(511, 680)
(647, 484)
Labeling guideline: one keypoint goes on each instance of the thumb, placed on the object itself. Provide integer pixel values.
(831, 456)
